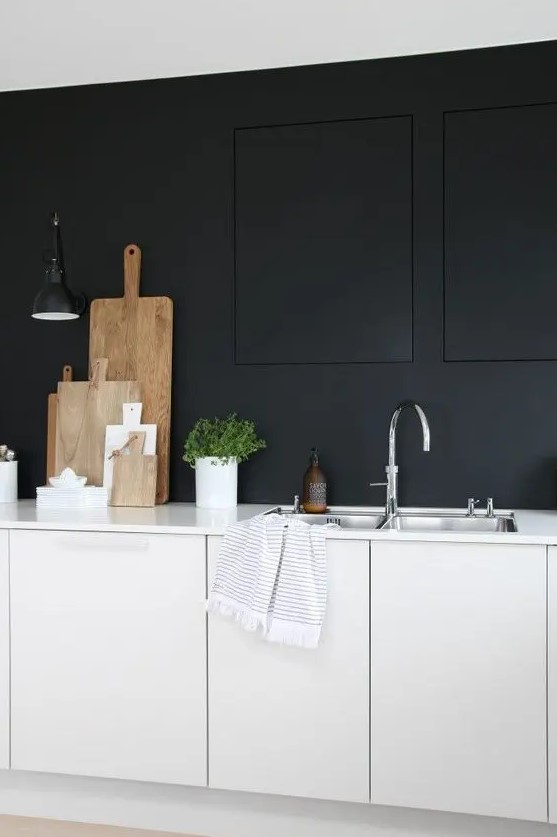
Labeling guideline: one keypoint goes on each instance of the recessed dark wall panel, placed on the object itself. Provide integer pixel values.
(324, 242)
(501, 234)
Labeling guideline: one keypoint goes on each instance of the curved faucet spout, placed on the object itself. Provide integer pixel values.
(425, 424)
(392, 468)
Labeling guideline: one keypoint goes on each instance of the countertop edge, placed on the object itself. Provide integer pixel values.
(534, 526)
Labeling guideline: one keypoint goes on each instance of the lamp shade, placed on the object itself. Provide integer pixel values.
(55, 301)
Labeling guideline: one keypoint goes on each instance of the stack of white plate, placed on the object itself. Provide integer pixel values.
(84, 497)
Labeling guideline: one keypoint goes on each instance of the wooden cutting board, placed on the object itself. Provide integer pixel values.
(84, 410)
(135, 334)
(134, 475)
(67, 375)
(118, 434)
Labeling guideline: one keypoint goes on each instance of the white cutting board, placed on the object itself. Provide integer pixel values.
(118, 434)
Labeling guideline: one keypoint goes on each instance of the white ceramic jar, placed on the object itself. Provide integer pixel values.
(216, 483)
(8, 482)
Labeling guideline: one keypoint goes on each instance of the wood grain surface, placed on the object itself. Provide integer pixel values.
(134, 478)
(135, 334)
(67, 375)
(31, 827)
(83, 411)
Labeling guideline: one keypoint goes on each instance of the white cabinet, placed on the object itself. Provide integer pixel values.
(552, 680)
(108, 636)
(459, 677)
(291, 721)
(4, 653)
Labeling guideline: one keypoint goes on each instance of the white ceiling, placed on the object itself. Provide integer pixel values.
(67, 42)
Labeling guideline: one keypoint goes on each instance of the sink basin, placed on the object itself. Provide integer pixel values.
(346, 520)
(450, 523)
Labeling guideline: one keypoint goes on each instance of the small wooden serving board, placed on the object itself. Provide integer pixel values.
(135, 334)
(84, 409)
(118, 434)
(134, 475)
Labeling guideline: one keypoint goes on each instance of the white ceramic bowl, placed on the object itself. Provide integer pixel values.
(58, 482)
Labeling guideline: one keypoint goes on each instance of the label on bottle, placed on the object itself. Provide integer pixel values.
(317, 494)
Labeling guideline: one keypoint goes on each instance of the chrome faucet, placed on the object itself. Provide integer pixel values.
(391, 505)
(472, 503)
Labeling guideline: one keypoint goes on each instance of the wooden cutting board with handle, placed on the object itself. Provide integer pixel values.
(83, 411)
(67, 375)
(135, 334)
(134, 475)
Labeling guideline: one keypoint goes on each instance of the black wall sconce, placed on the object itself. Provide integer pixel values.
(55, 301)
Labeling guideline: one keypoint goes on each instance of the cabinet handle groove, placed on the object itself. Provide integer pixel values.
(115, 541)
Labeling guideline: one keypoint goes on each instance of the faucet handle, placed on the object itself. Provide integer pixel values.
(376, 484)
(473, 503)
(472, 506)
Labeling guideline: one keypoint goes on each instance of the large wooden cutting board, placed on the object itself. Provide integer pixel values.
(84, 410)
(135, 334)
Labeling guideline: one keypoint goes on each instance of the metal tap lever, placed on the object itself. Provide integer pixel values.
(472, 506)
(379, 484)
(472, 503)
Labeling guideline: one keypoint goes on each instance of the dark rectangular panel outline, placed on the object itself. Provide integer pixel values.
(463, 359)
(236, 130)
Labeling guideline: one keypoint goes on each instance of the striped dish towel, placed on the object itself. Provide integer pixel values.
(272, 574)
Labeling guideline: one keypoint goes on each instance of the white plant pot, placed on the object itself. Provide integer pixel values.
(216, 483)
(8, 482)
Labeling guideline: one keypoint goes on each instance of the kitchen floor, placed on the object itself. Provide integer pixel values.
(20, 826)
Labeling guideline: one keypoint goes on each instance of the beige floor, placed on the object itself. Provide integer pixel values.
(20, 826)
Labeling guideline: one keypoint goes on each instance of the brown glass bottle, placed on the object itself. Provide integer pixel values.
(314, 496)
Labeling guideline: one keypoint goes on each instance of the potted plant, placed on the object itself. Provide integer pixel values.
(214, 447)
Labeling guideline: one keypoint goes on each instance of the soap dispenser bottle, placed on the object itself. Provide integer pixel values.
(314, 496)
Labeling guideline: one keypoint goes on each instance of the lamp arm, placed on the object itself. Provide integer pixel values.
(57, 243)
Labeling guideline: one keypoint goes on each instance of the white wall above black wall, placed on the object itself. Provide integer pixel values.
(72, 42)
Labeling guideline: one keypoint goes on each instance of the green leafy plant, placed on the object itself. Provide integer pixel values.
(223, 439)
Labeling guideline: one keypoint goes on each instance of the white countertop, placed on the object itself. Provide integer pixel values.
(171, 518)
(185, 518)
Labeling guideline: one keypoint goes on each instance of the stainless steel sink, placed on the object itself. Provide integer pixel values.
(450, 523)
(433, 521)
(346, 520)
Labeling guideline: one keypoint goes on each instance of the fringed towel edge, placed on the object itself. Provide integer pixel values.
(225, 606)
(293, 633)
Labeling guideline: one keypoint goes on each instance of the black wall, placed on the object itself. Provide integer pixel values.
(335, 238)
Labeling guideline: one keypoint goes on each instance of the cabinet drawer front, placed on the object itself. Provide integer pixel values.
(4, 653)
(458, 676)
(111, 633)
(285, 720)
(552, 680)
